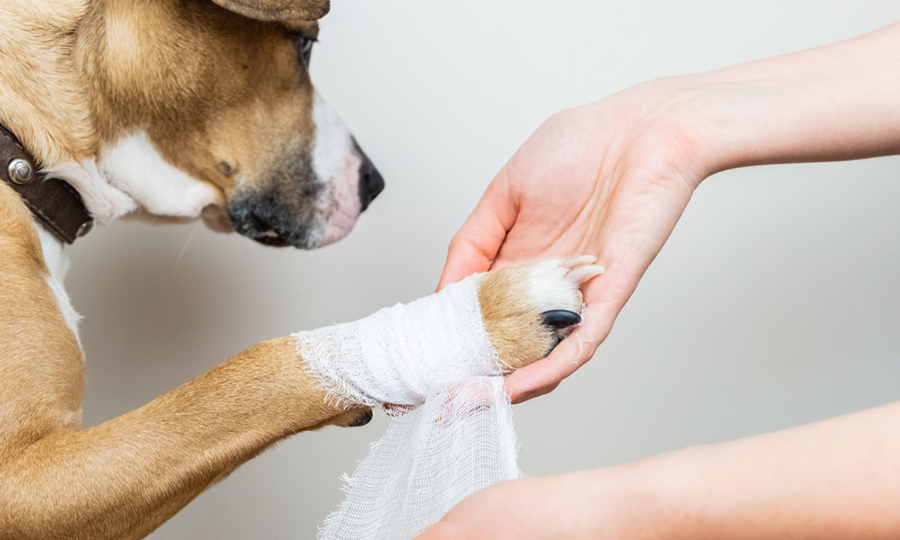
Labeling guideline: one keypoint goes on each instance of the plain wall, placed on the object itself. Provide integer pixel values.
(775, 303)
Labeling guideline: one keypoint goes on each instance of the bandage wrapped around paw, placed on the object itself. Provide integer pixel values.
(455, 435)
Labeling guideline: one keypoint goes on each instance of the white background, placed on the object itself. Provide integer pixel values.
(775, 303)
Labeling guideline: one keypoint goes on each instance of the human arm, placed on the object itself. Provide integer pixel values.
(835, 479)
(612, 178)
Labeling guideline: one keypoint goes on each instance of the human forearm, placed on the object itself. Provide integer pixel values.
(834, 479)
(834, 102)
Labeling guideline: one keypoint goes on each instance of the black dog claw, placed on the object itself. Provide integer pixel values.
(561, 318)
(364, 419)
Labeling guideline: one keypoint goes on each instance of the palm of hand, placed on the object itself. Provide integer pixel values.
(586, 182)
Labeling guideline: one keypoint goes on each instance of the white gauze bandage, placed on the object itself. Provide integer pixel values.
(435, 355)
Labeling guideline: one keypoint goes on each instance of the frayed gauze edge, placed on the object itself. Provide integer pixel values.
(434, 354)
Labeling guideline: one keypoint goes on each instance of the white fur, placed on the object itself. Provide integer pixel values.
(57, 261)
(132, 176)
(548, 290)
(104, 202)
(134, 167)
(335, 165)
(333, 145)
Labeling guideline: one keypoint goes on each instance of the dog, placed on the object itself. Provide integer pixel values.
(173, 110)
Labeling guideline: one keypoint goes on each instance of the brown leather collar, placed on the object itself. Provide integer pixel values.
(54, 202)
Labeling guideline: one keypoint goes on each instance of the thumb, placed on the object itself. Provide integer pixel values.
(477, 242)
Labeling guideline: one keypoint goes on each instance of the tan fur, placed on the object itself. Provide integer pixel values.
(42, 96)
(41, 367)
(277, 10)
(208, 86)
(514, 326)
(123, 478)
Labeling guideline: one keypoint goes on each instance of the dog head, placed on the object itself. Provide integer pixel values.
(203, 109)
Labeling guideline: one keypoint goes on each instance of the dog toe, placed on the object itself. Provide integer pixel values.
(362, 419)
(528, 309)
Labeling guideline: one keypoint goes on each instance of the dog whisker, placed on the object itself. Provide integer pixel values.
(185, 246)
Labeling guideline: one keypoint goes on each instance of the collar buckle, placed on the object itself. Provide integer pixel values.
(53, 202)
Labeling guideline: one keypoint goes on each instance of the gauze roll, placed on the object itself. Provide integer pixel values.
(434, 354)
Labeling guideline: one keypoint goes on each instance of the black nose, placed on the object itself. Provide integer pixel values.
(370, 181)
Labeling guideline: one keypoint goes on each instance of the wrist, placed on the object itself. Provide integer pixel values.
(834, 102)
(708, 112)
(657, 498)
(624, 502)
(676, 118)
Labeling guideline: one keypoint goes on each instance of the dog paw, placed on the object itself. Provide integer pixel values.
(528, 309)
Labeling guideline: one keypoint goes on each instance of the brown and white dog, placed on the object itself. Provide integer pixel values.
(169, 108)
(175, 109)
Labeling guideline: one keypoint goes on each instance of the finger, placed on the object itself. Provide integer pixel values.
(477, 242)
(545, 375)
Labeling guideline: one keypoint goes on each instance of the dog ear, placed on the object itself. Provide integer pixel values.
(278, 10)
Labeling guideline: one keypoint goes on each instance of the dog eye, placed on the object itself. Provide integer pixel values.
(304, 45)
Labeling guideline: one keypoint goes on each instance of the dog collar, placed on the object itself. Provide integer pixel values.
(54, 202)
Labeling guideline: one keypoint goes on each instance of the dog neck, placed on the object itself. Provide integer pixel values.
(57, 261)
(132, 178)
(49, 103)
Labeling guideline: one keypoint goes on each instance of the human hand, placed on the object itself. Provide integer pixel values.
(612, 178)
(608, 179)
(624, 169)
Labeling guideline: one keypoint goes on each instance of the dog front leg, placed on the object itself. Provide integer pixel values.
(123, 478)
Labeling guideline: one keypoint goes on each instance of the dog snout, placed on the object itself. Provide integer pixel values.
(262, 220)
(371, 183)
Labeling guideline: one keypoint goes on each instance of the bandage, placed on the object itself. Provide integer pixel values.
(434, 355)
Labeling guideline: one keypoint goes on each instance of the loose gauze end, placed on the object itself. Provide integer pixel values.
(433, 354)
